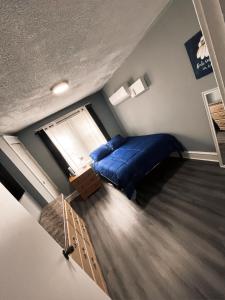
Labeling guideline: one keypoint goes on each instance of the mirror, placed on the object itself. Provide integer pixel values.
(216, 115)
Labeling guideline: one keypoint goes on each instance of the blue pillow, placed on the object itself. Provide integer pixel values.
(100, 152)
(116, 142)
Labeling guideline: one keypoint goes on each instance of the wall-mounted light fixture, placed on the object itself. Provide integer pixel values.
(60, 88)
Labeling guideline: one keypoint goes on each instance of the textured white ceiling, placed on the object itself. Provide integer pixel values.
(43, 42)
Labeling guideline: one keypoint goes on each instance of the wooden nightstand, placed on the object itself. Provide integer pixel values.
(86, 182)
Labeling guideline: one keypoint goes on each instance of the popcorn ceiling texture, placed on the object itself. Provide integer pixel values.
(43, 42)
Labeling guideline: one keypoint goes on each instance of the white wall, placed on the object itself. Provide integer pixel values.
(32, 264)
(173, 103)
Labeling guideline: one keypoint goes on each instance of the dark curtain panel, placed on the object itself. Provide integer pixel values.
(10, 183)
(54, 151)
(98, 121)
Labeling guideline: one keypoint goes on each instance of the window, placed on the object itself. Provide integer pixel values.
(75, 136)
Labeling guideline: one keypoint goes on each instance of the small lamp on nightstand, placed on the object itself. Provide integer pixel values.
(81, 162)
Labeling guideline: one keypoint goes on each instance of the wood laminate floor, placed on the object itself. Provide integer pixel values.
(173, 247)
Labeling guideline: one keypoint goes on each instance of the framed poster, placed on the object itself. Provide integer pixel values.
(199, 55)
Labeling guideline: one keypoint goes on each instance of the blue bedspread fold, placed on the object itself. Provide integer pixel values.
(128, 164)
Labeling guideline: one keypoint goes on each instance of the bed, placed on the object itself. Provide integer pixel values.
(125, 161)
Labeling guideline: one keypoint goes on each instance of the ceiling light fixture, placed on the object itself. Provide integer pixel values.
(60, 87)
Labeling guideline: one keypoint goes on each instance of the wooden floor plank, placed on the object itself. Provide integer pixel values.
(171, 247)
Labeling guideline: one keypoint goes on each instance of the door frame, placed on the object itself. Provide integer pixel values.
(10, 140)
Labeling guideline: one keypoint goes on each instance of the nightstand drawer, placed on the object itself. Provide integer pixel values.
(89, 185)
(94, 187)
(88, 180)
(88, 192)
(85, 176)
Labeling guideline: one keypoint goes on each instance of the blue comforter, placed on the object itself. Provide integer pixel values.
(128, 164)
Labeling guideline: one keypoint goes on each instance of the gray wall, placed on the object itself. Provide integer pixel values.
(173, 103)
(41, 153)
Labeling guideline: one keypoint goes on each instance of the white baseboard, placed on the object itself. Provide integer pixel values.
(71, 196)
(199, 155)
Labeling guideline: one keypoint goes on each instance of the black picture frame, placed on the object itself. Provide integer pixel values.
(201, 66)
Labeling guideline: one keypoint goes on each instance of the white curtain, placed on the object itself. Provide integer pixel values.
(75, 137)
